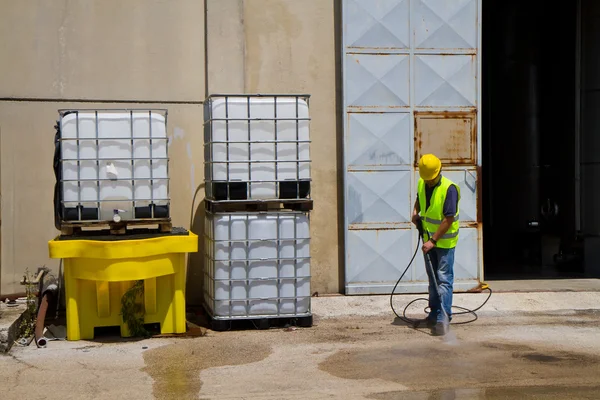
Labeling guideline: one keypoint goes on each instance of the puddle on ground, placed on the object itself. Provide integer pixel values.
(540, 357)
(175, 368)
(435, 366)
(527, 392)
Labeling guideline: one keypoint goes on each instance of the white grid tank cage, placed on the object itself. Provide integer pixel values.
(111, 166)
(257, 265)
(257, 147)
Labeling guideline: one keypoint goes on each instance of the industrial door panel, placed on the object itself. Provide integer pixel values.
(378, 197)
(450, 24)
(378, 139)
(443, 80)
(372, 24)
(450, 135)
(374, 256)
(376, 82)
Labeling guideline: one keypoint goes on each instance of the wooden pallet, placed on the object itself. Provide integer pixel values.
(258, 205)
(114, 228)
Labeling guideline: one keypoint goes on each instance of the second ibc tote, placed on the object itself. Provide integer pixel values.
(257, 225)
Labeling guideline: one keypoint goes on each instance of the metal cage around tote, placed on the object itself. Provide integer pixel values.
(257, 265)
(257, 147)
(109, 162)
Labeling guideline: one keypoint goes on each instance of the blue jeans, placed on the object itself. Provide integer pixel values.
(442, 261)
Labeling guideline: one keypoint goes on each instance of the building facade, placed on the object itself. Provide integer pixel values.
(167, 54)
(389, 80)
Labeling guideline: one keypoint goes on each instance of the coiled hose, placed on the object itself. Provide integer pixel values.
(417, 322)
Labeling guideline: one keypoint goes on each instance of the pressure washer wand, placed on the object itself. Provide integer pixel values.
(429, 266)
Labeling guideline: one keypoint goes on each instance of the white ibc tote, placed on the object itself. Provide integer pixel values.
(257, 265)
(114, 162)
(257, 147)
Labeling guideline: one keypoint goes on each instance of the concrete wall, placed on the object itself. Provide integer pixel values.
(109, 53)
(27, 135)
(103, 49)
(288, 46)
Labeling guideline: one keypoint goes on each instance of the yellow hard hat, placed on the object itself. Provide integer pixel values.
(429, 167)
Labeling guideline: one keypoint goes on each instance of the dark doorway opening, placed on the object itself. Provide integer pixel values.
(530, 139)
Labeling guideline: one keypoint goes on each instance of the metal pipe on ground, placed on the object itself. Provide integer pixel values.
(40, 324)
(12, 296)
(49, 291)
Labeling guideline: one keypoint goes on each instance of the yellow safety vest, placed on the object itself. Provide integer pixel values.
(434, 215)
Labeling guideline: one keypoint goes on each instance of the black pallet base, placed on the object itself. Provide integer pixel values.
(221, 325)
(258, 205)
(91, 214)
(288, 190)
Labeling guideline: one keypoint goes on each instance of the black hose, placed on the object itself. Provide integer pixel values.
(417, 322)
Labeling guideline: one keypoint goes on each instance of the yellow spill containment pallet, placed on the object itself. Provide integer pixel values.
(98, 272)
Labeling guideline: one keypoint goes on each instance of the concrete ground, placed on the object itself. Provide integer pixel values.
(524, 345)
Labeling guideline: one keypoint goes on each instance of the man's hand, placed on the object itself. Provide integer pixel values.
(428, 245)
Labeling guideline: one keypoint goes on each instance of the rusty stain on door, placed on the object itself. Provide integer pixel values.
(450, 135)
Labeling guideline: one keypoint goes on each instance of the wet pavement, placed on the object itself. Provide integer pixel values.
(507, 356)
(531, 392)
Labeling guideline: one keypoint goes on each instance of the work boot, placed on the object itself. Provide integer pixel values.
(430, 322)
(440, 329)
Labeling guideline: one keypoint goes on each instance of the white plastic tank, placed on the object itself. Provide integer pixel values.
(257, 264)
(260, 140)
(114, 160)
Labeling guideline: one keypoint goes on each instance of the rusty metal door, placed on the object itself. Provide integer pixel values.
(411, 73)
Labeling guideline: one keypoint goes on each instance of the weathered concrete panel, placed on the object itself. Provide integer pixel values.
(102, 49)
(27, 177)
(290, 48)
(225, 46)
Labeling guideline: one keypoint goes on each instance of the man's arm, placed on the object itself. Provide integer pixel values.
(416, 210)
(450, 207)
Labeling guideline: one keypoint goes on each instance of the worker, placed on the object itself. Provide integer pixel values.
(438, 205)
